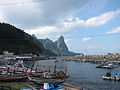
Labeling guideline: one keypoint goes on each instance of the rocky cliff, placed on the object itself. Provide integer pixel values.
(59, 47)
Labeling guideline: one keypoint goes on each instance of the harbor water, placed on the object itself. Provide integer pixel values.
(86, 75)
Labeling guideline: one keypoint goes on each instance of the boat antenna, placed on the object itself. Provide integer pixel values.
(55, 65)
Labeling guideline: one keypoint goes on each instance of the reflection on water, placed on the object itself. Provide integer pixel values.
(85, 75)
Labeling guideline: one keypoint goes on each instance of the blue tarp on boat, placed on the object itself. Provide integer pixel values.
(52, 87)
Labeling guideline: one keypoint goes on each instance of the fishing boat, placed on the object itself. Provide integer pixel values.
(109, 76)
(57, 74)
(56, 70)
(47, 80)
(19, 71)
(8, 73)
(107, 66)
(12, 78)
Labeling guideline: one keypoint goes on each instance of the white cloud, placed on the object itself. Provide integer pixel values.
(115, 30)
(44, 31)
(1, 18)
(71, 23)
(86, 39)
(50, 17)
(91, 22)
(43, 13)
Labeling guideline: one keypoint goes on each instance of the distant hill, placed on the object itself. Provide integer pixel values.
(59, 47)
(16, 40)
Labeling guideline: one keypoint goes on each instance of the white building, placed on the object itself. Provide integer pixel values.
(8, 56)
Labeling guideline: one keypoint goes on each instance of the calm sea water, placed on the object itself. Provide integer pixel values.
(85, 75)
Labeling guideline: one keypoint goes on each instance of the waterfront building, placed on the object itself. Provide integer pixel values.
(8, 56)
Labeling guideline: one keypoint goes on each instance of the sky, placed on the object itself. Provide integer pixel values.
(88, 26)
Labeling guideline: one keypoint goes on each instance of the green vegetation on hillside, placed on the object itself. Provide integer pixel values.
(16, 40)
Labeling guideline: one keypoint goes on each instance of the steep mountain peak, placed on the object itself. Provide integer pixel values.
(61, 38)
(60, 43)
(59, 47)
(47, 39)
(33, 35)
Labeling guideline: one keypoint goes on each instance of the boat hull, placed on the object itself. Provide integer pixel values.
(46, 80)
(12, 78)
(110, 78)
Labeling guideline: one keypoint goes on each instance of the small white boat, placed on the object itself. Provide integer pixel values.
(107, 66)
(110, 78)
(107, 78)
(115, 77)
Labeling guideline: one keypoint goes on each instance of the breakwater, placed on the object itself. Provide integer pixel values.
(115, 58)
(109, 57)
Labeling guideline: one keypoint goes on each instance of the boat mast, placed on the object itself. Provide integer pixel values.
(55, 66)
